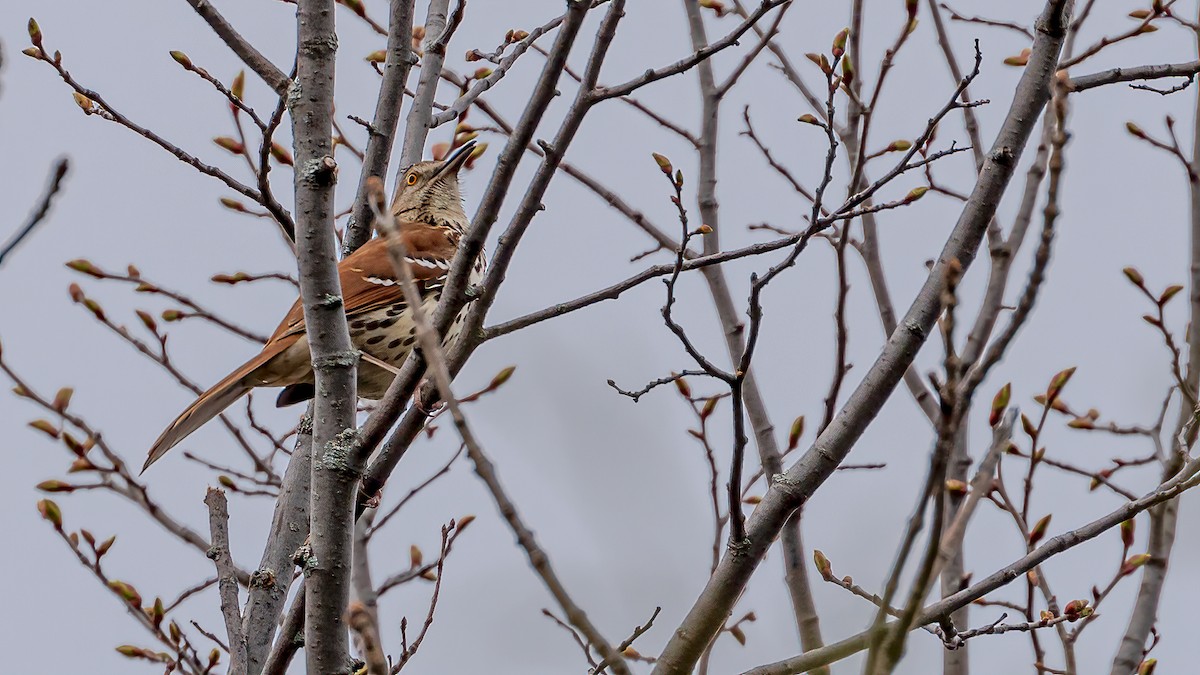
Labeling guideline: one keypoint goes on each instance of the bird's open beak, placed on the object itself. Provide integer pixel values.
(456, 159)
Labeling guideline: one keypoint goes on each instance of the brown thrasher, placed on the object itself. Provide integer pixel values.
(428, 209)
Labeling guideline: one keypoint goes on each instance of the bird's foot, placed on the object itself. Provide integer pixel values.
(427, 391)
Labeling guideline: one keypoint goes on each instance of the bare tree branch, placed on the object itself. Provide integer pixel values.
(57, 173)
(419, 115)
(791, 489)
(1130, 74)
(1164, 518)
(1186, 479)
(218, 523)
(335, 470)
(269, 583)
(275, 78)
(396, 66)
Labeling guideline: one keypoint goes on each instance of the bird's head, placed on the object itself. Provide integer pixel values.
(427, 192)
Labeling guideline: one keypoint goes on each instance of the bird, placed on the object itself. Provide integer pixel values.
(431, 222)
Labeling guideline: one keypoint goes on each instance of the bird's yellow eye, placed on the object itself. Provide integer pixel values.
(412, 179)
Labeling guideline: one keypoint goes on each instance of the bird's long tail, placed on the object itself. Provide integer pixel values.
(210, 404)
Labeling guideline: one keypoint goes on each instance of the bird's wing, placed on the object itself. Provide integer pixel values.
(369, 280)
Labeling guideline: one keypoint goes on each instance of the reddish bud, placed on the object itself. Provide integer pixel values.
(796, 432)
(502, 377)
(1139, 14)
(1133, 562)
(238, 86)
(1147, 667)
(229, 144)
(170, 315)
(232, 204)
(1020, 60)
(85, 104)
(1076, 610)
(55, 486)
(839, 42)
(718, 7)
(35, 32)
(50, 512)
(182, 59)
(1059, 381)
(95, 308)
(138, 653)
(157, 611)
(378, 56)
(281, 154)
(821, 61)
(62, 399)
(955, 486)
(74, 445)
(81, 464)
(86, 267)
(147, 320)
(1000, 404)
(415, 556)
(127, 592)
(915, 194)
(1135, 277)
(685, 390)
(663, 163)
(1137, 132)
(45, 427)
(1039, 530)
(1127, 532)
(1169, 293)
(824, 568)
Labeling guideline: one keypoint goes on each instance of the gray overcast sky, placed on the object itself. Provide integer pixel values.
(616, 490)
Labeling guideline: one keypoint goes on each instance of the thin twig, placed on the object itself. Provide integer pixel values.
(57, 173)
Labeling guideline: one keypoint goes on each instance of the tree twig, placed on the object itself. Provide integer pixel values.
(57, 173)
